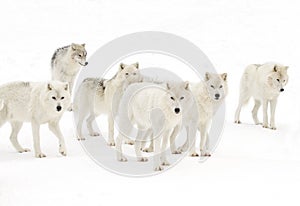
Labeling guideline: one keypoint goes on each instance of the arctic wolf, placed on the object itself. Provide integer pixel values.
(38, 103)
(264, 83)
(66, 62)
(209, 95)
(97, 96)
(151, 107)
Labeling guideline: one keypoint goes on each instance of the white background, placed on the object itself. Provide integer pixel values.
(252, 166)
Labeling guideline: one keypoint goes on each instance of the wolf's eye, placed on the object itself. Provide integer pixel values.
(80, 55)
(126, 73)
(172, 98)
(54, 98)
(212, 86)
(283, 80)
(221, 86)
(62, 97)
(278, 80)
(134, 73)
(181, 97)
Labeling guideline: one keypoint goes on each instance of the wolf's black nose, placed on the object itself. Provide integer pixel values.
(58, 108)
(177, 110)
(281, 90)
(217, 96)
(86, 63)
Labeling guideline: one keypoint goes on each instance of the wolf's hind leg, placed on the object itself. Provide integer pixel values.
(255, 110)
(16, 127)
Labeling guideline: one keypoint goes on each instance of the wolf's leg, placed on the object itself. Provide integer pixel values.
(119, 142)
(255, 110)
(79, 127)
(89, 125)
(111, 141)
(146, 135)
(54, 128)
(265, 113)
(203, 133)
(192, 140)
(156, 149)
(138, 144)
(273, 104)
(165, 138)
(16, 126)
(243, 99)
(150, 147)
(36, 139)
(172, 140)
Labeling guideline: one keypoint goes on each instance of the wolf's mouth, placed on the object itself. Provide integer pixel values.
(86, 63)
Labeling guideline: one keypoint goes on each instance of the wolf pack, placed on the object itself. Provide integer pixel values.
(157, 110)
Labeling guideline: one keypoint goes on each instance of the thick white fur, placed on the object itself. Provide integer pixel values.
(92, 100)
(38, 103)
(66, 63)
(207, 103)
(152, 108)
(264, 83)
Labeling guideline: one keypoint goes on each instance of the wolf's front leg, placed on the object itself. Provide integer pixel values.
(172, 140)
(203, 141)
(119, 142)
(36, 139)
(273, 104)
(54, 128)
(157, 150)
(191, 138)
(165, 139)
(111, 141)
(265, 113)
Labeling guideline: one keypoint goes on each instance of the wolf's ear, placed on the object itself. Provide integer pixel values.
(122, 66)
(73, 45)
(83, 45)
(49, 86)
(224, 76)
(168, 86)
(1, 104)
(66, 86)
(275, 68)
(207, 76)
(186, 85)
(286, 68)
(136, 65)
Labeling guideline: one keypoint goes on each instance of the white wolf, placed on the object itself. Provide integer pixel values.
(209, 95)
(38, 103)
(264, 83)
(99, 96)
(139, 105)
(66, 62)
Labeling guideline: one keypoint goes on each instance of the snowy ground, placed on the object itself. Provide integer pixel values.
(251, 166)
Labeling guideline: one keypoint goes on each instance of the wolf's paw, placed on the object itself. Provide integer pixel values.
(24, 150)
(40, 155)
(158, 168)
(122, 159)
(205, 154)
(111, 144)
(149, 149)
(273, 128)
(258, 123)
(165, 163)
(142, 159)
(130, 142)
(182, 149)
(80, 138)
(177, 152)
(63, 151)
(194, 154)
(265, 126)
(237, 121)
(94, 134)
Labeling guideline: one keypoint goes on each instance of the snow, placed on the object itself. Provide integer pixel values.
(251, 166)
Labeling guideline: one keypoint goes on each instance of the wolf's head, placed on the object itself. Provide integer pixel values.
(78, 53)
(129, 73)
(57, 97)
(278, 78)
(179, 97)
(216, 85)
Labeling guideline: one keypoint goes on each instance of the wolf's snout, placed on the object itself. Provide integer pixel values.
(58, 108)
(281, 90)
(217, 96)
(176, 110)
(86, 63)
